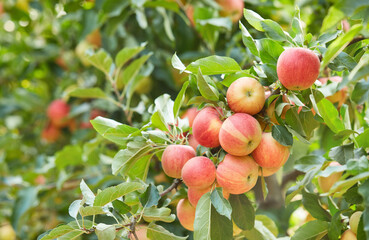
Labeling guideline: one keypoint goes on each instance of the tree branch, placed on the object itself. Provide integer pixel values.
(292, 176)
(175, 184)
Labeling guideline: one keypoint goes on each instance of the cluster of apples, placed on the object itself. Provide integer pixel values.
(250, 151)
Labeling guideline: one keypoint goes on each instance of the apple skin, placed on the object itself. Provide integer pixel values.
(174, 158)
(354, 221)
(326, 183)
(194, 194)
(186, 214)
(268, 171)
(57, 112)
(232, 9)
(246, 95)
(270, 111)
(270, 153)
(50, 134)
(348, 235)
(237, 175)
(190, 114)
(338, 97)
(206, 127)
(7, 232)
(298, 68)
(192, 142)
(240, 134)
(199, 173)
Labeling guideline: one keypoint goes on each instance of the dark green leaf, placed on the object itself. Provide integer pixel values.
(221, 204)
(356, 166)
(243, 213)
(311, 230)
(361, 92)
(342, 153)
(306, 163)
(269, 50)
(352, 196)
(335, 226)
(282, 135)
(150, 197)
(312, 205)
(126, 54)
(221, 227)
(121, 207)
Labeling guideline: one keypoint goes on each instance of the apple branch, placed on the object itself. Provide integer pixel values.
(175, 184)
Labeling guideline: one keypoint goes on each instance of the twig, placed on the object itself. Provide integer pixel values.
(132, 227)
(290, 177)
(174, 185)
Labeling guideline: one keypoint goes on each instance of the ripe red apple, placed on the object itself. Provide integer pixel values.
(354, 221)
(206, 127)
(194, 194)
(240, 134)
(58, 112)
(270, 153)
(192, 142)
(174, 157)
(190, 114)
(326, 183)
(237, 175)
(199, 173)
(246, 95)
(348, 235)
(338, 97)
(268, 171)
(298, 68)
(186, 214)
(232, 9)
(270, 111)
(51, 133)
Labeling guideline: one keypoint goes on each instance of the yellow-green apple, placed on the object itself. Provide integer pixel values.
(194, 194)
(338, 97)
(190, 114)
(326, 183)
(7, 232)
(240, 134)
(270, 111)
(298, 68)
(237, 175)
(199, 173)
(246, 95)
(58, 112)
(232, 9)
(270, 153)
(206, 127)
(51, 133)
(186, 214)
(174, 157)
(354, 221)
(348, 235)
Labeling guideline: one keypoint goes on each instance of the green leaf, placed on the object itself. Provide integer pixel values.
(158, 232)
(335, 226)
(342, 153)
(180, 99)
(150, 197)
(340, 187)
(311, 230)
(102, 61)
(221, 226)
(121, 207)
(158, 214)
(27, 199)
(60, 231)
(126, 54)
(172, 6)
(306, 163)
(202, 222)
(268, 223)
(330, 115)
(356, 166)
(88, 93)
(248, 41)
(339, 44)
(273, 30)
(296, 189)
(312, 205)
(269, 50)
(352, 196)
(68, 156)
(214, 65)
(360, 94)
(221, 204)
(105, 232)
(91, 210)
(282, 135)
(177, 63)
(205, 88)
(112, 193)
(254, 19)
(243, 213)
(259, 232)
(332, 18)
(364, 192)
(363, 139)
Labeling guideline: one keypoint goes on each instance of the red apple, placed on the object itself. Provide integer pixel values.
(270, 153)
(246, 95)
(194, 194)
(192, 142)
(298, 68)
(199, 173)
(240, 134)
(174, 157)
(50, 133)
(232, 9)
(237, 175)
(326, 183)
(58, 112)
(206, 127)
(186, 214)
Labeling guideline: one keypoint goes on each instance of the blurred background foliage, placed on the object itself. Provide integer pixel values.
(42, 58)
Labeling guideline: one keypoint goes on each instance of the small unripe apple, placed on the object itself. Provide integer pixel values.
(237, 175)
(298, 68)
(199, 173)
(51, 133)
(354, 221)
(348, 235)
(270, 153)
(190, 114)
(240, 134)
(326, 183)
(57, 112)
(246, 95)
(186, 214)
(174, 158)
(206, 127)
(232, 9)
